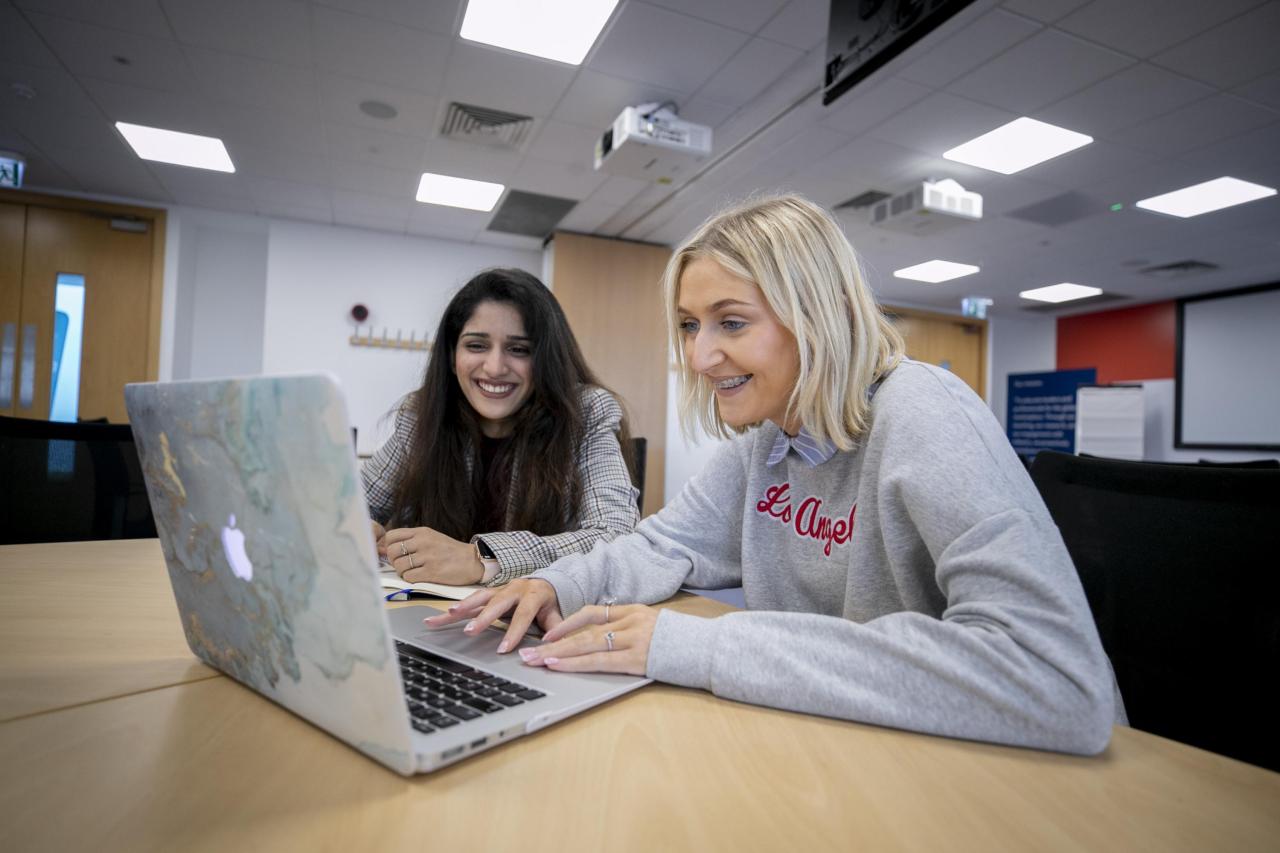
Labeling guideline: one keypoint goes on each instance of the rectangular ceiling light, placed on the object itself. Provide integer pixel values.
(458, 192)
(1064, 292)
(1018, 145)
(1206, 197)
(180, 149)
(563, 30)
(935, 271)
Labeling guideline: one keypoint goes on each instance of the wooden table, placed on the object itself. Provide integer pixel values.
(115, 738)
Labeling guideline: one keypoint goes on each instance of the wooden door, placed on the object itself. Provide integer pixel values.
(958, 344)
(611, 292)
(13, 221)
(115, 258)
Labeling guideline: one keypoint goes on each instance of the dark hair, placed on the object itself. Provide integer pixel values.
(435, 490)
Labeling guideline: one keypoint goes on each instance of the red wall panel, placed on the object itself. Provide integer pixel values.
(1125, 345)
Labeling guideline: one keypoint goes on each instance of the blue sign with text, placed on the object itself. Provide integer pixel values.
(1042, 409)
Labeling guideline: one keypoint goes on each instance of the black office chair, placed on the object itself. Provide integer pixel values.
(1180, 565)
(69, 482)
(639, 450)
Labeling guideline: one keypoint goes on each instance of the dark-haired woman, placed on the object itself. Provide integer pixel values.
(510, 455)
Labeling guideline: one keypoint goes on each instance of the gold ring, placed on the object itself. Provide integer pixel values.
(404, 552)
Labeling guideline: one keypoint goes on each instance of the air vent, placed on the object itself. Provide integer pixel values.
(1179, 269)
(530, 214)
(866, 199)
(484, 126)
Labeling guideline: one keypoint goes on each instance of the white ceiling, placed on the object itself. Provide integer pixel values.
(1173, 91)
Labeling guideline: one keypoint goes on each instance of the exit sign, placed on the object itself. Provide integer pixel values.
(11, 169)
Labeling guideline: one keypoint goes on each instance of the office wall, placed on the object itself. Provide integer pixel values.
(315, 273)
(1017, 344)
(219, 294)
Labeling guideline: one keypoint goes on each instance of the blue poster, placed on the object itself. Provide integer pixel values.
(1042, 409)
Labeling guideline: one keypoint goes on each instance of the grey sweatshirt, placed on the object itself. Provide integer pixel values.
(916, 582)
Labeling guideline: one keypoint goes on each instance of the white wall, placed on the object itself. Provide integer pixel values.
(1017, 344)
(684, 458)
(315, 273)
(219, 294)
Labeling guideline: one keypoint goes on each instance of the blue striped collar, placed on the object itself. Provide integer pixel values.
(813, 452)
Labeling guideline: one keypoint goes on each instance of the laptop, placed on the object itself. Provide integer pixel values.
(261, 514)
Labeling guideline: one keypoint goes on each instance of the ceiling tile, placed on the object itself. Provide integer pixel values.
(1097, 161)
(275, 30)
(595, 99)
(466, 160)
(184, 183)
(272, 129)
(301, 212)
(395, 150)
(1039, 71)
(244, 80)
(617, 190)
(860, 109)
(20, 44)
(486, 77)
(1210, 120)
(564, 181)
(43, 173)
(364, 210)
(1137, 93)
(439, 16)
(1233, 53)
(1145, 27)
(510, 241)
(108, 171)
(291, 194)
(376, 50)
(801, 24)
(136, 16)
(561, 142)
(102, 53)
(940, 122)
(155, 108)
(991, 34)
(705, 111)
(745, 15)
(368, 179)
(48, 127)
(55, 89)
(751, 69)
(1263, 90)
(1047, 11)
(341, 97)
(282, 164)
(664, 48)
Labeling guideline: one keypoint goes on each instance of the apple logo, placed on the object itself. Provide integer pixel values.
(233, 547)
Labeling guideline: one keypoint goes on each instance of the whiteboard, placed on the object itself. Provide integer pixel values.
(1228, 371)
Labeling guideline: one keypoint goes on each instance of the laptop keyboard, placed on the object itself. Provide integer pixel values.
(443, 693)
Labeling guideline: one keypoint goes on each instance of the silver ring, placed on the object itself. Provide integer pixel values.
(411, 565)
(609, 602)
(404, 551)
(608, 640)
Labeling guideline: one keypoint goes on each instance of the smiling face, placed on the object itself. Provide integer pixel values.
(494, 365)
(733, 340)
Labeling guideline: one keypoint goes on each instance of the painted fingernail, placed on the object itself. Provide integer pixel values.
(502, 647)
(528, 655)
(471, 627)
(453, 609)
(551, 661)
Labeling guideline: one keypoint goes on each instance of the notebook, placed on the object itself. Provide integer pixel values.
(390, 580)
(266, 536)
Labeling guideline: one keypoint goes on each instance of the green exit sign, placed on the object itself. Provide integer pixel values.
(11, 169)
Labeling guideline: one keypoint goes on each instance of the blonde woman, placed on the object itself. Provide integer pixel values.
(898, 565)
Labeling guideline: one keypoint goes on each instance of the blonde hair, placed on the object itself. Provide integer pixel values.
(809, 275)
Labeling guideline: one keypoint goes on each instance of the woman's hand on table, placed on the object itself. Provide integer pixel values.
(422, 554)
(597, 638)
(521, 602)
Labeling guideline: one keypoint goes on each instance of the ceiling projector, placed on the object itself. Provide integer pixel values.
(649, 143)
